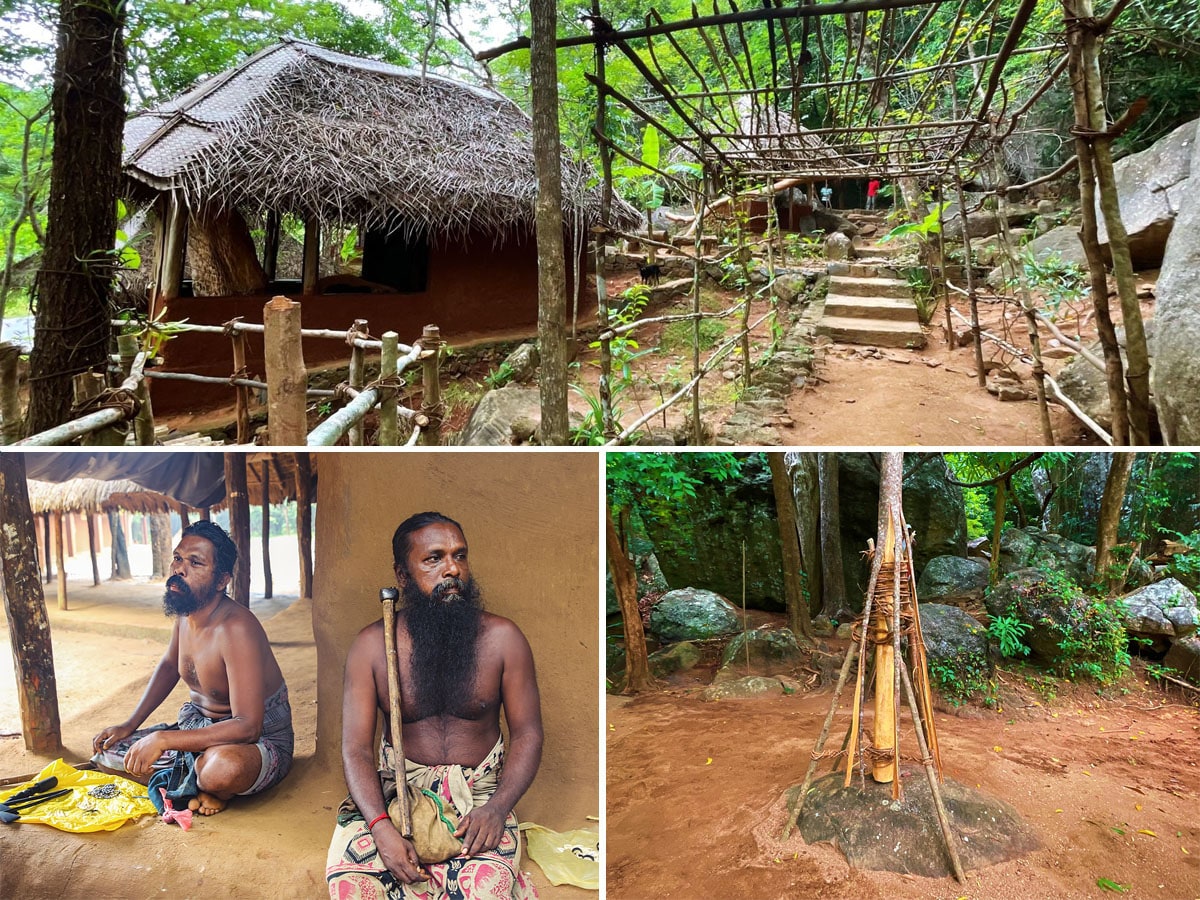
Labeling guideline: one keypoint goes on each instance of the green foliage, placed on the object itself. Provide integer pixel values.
(652, 483)
(1009, 633)
(930, 225)
(924, 298)
(1186, 566)
(802, 247)
(979, 512)
(500, 376)
(960, 677)
(679, 335)
(1109, 885)
(1095, 648)
(1057, 281)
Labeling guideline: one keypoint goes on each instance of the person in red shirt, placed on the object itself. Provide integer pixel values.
(872, 189)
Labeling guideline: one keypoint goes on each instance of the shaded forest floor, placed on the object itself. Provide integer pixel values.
(1109, 784)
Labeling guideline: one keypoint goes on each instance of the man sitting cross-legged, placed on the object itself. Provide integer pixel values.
(238, 721)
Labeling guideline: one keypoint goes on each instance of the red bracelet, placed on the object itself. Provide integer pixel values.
(375, 821)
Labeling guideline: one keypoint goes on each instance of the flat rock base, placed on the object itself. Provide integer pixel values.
(875, 832)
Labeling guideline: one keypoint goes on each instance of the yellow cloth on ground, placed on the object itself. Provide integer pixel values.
(80, 811)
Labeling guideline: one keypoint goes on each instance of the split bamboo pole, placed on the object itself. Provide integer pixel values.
(884, 771)
(388, 434)
(356, 376)
(287, 376)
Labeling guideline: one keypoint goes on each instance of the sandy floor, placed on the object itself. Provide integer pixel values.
(272, 846)
(1110, 786)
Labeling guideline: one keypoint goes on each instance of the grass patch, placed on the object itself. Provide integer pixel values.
(678, 335)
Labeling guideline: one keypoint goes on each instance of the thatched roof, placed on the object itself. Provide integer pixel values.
(301, 129)
(89, 495)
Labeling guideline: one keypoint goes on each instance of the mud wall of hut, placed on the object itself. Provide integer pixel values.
(535, 556)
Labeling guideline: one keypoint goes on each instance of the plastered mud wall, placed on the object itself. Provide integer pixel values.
(531, 522)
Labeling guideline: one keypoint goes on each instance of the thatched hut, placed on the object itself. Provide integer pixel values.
(438, 176)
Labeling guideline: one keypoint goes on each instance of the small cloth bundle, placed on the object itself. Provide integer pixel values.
(434, 823)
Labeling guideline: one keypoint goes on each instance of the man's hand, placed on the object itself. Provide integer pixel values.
(110, 736)
(144, 753)
(481, 829)
(398, 854)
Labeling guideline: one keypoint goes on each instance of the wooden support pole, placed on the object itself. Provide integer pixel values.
(92, 548)
(143, 423)
(10, 401)
(884, 770)
(170, 244)
(431, 399)
(238, 501)
(47, 550)
(312, 255)
(184, 519)
(268, 587)
(303, 469)
(85, 386)
(389, 432)
(120, 552)
(25, 608)
(205, 514)
(271, 246)
(356, 380)
(241, 394)
(60, 560)
(287, 377)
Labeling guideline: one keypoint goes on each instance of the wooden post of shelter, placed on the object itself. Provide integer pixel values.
(205, 514)
(238, 501)
(241, 393)
(268, 587)
(120, 553)
(25, 608)
(270, 261)
(303, 476)
(312, 255)
(431, 397)
(10, 401)
(388, 435)
(287, 377)
(60, 559)
(170, 243)
(47, 558)
(91, 526)
(356, 377)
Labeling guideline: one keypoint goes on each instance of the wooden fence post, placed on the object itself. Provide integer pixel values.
(287, 377)
(357, 364)
(388, 430)
(60, 559)
(10, 403)
(25, 607)
(431, 398)
(240, 392)
(143, 423)
(87, 385)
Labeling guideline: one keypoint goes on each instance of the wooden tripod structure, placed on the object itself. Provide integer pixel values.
(890, 610)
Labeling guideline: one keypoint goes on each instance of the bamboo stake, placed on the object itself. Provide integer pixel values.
(388, 434)
(241, 394)
(389, 596)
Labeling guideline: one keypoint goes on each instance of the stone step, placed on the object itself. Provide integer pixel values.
(889, 250)
(865, 269)
(872, 332)
(890, 308)
(869, 287)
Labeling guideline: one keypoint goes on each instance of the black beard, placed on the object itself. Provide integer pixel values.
(182, 602)
(443, 635)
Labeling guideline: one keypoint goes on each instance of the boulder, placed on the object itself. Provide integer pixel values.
(1184, 658)
(771, 651)
(693, 614)
(1152, 188)
(1163, 611)
(1052, 610)
(1175, 376)
(838, 246)
(1086, 386)
(754, 686)
(949, 633)
(523, 363)
(676, 658)
(828, 221)
(984, 223)
(1062, 242)
(953, 580)
(1030, 547)
(504, 417)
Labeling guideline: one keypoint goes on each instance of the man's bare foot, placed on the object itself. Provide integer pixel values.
(206, 804)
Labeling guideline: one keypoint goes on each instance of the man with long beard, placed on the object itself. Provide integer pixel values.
(458, 666)
(237, 724)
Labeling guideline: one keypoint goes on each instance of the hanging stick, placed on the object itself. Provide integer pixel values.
(389, 596)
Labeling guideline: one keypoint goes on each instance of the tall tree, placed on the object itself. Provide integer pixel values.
(833, 576)
(637, 666)
(25, 607)
(1110, 520)
(799, 620)
(552, 270)
(88, 118)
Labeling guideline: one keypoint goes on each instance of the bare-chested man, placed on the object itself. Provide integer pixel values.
(238, 722)
(458, 666)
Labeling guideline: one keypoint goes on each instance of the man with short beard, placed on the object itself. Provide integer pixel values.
(458, 666)
(237, 724)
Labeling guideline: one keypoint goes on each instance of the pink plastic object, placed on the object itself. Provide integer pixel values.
(182, 817)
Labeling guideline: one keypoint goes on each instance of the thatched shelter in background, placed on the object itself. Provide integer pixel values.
(437, 174)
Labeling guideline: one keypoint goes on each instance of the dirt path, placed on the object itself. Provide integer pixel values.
(695, 803)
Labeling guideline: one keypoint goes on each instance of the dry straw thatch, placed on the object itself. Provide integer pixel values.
(303, 130)
(90, 495)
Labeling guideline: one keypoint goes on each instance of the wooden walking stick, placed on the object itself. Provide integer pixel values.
(388, 597)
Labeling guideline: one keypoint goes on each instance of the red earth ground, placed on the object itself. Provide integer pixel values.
(1108, 783)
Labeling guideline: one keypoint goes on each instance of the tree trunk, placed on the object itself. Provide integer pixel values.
(1110, 521)
(552, 272)
(637, 666)
(833, 576)
(997, 530)
(72, 327)
(160, 544)
(785, 511)
(25, 607)
(120, 553)
(222, 256)
(304, 521)
(238, 501)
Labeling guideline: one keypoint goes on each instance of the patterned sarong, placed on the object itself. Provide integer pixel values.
(355, 871)
(276, 743)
